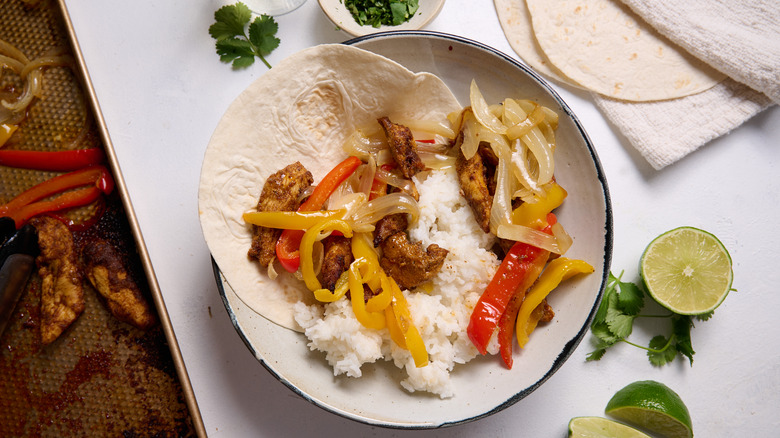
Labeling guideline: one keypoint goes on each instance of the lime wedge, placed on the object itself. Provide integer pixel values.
(687, 270)
(651, 406)
(597, 427)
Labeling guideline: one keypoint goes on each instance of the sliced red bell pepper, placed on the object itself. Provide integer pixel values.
(55, 161)
(517, 272)
(506, 323)
(33, 202)
(287, 246)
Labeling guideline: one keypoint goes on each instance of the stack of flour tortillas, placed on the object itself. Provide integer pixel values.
(669, 75)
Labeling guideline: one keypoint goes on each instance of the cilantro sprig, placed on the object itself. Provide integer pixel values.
(234, 44)
(614, 320)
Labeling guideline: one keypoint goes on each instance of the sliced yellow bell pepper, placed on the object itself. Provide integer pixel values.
(307, 248)
(6, 131)
(556, 271)
(342, 286)
(381, 300)
(372, 320)
(392, 327)
(403, 319)
(363, 248)
(292, 220)
(534, 214)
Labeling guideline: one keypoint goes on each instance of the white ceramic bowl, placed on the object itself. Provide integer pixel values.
(483, 386)
(341, 17)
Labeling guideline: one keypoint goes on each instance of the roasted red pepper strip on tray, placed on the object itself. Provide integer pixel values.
(55, 161)
(33, 202)
(287, 247)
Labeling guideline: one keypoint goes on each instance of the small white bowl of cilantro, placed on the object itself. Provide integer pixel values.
(363, 17)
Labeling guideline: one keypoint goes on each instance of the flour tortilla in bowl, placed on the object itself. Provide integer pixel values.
(605, 47)
(301, 110)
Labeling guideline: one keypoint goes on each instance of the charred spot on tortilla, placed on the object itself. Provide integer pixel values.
(403, 148)
(282, 191)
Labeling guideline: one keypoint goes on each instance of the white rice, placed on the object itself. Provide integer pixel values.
(441, 316)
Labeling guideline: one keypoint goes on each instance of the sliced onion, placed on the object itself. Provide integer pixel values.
(521, 233)
(523, 127)
(389, 178)
(501, 209)
(541, 150)
(437, 161)
(376, 209)
(435, 148)
(482, 110)
(272, 273)
(429, 126)
(366, 180)
(564, 239)
(470, 142)
(14, 64)
(520, 166)
(362, 145)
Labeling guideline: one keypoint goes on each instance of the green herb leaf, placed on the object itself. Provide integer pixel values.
(261, 34)
(660, 352)
(230, 21)
(233, 45)
(681, 327)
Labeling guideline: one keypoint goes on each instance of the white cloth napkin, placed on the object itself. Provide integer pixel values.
(738, 38)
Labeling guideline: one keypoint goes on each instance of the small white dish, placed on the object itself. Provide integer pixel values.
(341, 17)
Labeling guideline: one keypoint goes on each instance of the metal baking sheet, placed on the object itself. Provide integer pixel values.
(102, 377)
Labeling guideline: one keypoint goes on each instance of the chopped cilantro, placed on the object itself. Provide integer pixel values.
(233, 44)
(376, 13)
(614, 319)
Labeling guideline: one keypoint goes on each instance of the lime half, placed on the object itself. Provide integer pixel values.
(687, 270)
(597, 427)
(652, 406)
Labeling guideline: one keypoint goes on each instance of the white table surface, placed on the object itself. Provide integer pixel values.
(162, 90)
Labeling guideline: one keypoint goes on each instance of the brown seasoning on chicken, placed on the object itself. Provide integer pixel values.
(403, 148)
(477, 181)
(407, 262)
(282, 191)
(107, 273)
(62, 294)
(337, 256)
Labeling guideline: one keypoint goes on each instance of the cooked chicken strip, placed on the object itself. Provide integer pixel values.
(337, 255)
(389, 225)
(62, 295)
(282, 191)
(475, 177)
(108, 274)
(408, 264)
(403, 148)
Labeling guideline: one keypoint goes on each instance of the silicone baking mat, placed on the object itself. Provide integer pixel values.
(101, 377)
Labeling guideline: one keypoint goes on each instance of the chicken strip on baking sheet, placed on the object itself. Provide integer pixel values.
(282, 191)
(62, 294)
(107, 272)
